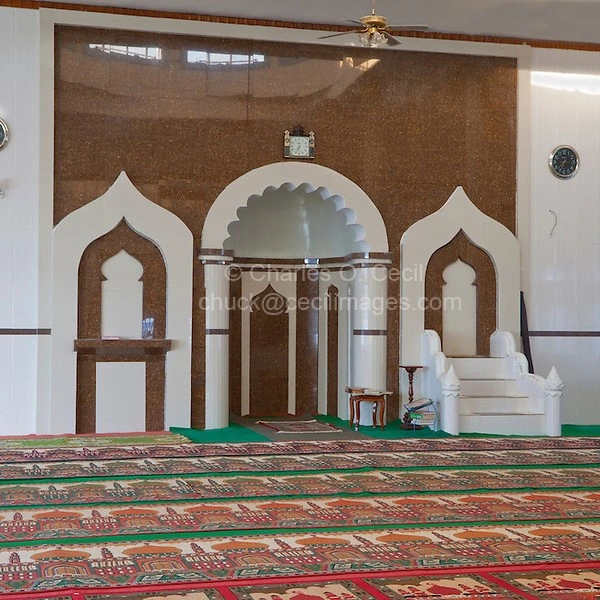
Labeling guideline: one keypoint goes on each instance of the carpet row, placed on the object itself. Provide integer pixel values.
(498, 518)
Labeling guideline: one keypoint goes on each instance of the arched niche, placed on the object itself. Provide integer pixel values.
(70, 239)
(422, 239)
(97, 261)
(94, 260)
(462, 248)
(459, 310)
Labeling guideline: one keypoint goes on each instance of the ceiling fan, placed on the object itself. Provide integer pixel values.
(375, 30)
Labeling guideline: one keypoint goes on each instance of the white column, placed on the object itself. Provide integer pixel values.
(216, 278)
(553, 390)
(450, 420)
(369, 331)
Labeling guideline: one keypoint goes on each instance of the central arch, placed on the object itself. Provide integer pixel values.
(239, 205)
(255, 182)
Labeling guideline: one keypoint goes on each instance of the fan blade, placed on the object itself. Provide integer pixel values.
(391, 40)
(323, 37)
(354, 21)
(409, 27)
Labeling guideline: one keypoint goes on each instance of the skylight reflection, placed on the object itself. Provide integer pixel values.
(567, 82)
(145, 52)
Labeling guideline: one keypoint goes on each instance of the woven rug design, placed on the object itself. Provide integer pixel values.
(115, 520)
(557, 584)
(491, 446)
(299, 426)
(87, 463)
(580, 584)
(350, 484)
(90, 440)
(205, 516)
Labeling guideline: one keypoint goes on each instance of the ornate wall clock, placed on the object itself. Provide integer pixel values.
(3, 133)
(298, 144)
(564, 162)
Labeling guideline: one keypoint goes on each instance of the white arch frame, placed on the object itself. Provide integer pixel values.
(360, 210)
(70, 239)
(236, 194)
(422, 239)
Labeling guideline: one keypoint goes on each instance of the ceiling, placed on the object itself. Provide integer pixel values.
(562, 20)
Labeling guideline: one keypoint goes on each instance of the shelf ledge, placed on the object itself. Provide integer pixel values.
(122, 346)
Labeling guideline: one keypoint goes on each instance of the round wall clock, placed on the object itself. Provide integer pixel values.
(564, 162)
(3, 133)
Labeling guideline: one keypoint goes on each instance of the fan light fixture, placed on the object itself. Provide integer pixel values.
(375, 30)
(371, 40)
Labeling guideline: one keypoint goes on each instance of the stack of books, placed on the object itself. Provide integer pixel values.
(422, 412)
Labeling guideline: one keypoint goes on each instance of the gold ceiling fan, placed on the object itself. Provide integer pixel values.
(375, 30)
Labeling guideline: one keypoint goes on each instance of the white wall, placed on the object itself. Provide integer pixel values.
(19, 179)
(564, 292)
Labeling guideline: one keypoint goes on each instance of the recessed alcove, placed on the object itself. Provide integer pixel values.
(295, 222)
(292, 242)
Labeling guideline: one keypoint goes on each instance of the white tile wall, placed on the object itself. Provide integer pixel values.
(19, 231)
(565, 265)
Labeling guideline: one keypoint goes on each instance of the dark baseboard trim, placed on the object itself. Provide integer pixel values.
(15, 331)
(564, 334)
(370, 332)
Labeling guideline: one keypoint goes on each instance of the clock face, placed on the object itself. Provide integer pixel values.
(299, 145)
(3, 133)
(564, 162)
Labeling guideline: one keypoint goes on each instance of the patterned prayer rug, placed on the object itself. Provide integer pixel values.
(91, 440)
(229, 520)
(300, 426)
(152, 488)
(490, 446)
(575, 584)
(88, 462)
(88, 521)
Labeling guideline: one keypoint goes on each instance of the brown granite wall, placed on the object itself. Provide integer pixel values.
(269, 363)
(407, 127)
(333, 358)
(307, 342)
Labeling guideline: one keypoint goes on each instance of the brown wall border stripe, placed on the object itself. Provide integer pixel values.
(370, 332)
(564, 334)
(214, 252)
(10, 331)
(485, 39)
(217, 332)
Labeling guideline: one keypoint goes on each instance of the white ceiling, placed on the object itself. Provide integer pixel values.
(565, 20)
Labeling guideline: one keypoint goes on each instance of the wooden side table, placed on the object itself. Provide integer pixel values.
(358, 395)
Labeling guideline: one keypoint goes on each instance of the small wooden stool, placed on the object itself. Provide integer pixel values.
(358, 395)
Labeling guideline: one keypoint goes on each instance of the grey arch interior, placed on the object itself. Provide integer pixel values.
(294, 222)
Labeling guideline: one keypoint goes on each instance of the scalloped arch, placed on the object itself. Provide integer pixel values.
(295, 222)
(348, 197)
(70, 238)
(422, 239)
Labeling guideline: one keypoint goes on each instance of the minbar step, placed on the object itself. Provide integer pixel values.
(503, 424)
(481, 404)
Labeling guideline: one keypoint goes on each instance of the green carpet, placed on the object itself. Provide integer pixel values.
(392, 429)
(237, 433)
(581, 430)
(232, 434)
